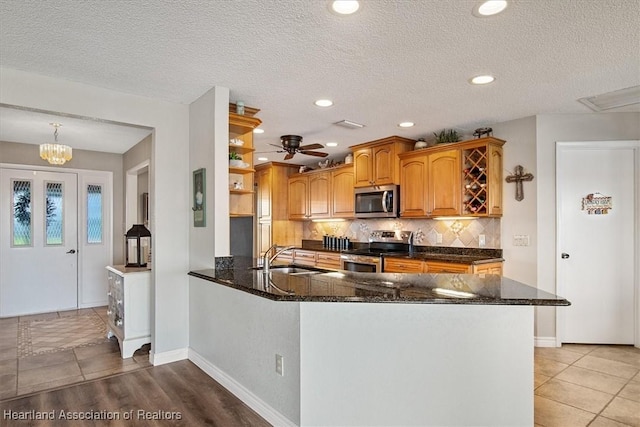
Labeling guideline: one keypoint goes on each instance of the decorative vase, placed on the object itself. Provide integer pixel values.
(421, 143)
(348, 159)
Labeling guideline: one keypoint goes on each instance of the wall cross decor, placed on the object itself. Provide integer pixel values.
(518, 177)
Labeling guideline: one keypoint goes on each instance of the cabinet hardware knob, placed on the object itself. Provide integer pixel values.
(564, 255)
(71, 251)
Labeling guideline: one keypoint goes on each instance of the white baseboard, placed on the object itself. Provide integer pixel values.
(165, 357)
(545, 342)
(251, 400)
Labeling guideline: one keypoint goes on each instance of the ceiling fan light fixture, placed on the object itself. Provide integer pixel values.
(611, 100)
(489, 8)
(324, 103)
(56, 154)
(349, 124)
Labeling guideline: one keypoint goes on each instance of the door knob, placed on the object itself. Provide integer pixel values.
(564, 255)
(71, 251)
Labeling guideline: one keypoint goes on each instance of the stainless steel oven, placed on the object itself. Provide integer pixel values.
(377, 202)
(381, 242)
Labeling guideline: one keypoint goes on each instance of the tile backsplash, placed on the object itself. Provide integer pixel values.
(461, 233)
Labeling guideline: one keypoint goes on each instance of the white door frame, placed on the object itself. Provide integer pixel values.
(560, 287)
(107, 177)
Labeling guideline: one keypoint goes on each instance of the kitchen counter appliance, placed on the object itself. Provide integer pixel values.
(381, 242)
(377, 202)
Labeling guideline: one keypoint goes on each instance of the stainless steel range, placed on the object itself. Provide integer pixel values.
(381, 242)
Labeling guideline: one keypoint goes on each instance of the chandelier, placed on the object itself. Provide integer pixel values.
(56, 154)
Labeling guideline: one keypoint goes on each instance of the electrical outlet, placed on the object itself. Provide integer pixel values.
(279, 365)
(482, 240)
(438, 238)
(520, 240)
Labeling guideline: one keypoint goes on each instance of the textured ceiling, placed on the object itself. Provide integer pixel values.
(392, 61)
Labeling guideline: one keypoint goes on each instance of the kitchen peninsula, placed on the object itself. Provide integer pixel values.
(368, 349)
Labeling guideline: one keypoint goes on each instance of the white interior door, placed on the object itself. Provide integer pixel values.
(596, 258)
(38, 252)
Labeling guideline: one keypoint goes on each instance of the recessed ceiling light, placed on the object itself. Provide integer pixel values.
(258, 130)
(489, 8)
(324, 103)
(345, 7)
(262, 159)
(332, 144)
(406, 124)
(482, 80)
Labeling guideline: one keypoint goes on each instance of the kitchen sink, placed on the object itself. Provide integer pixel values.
(293, 270)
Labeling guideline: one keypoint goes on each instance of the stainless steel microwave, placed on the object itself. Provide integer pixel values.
(377, 202)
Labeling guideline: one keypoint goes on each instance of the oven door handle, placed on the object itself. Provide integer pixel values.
(384, 201)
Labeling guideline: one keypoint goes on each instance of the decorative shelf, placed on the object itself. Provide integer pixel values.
(232, 191)
(241, 170)
(240, 149)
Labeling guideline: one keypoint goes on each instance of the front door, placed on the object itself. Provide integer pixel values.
(596, 254)
(38, 249)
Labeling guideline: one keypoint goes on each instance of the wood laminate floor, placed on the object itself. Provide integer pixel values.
(175, 394)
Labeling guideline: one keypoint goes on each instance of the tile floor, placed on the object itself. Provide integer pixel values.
(36, 354)
(587, 385)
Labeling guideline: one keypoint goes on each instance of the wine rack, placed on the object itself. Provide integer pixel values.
(474, 181)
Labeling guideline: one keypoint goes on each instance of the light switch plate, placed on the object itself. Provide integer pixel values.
(279, 365)
(438, 238)
(482, 240)
(520, 240)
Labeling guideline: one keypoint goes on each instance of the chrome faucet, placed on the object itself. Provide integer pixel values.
(411, 247)
(266, 261)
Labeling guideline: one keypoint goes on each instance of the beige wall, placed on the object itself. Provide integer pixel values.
(28, 154)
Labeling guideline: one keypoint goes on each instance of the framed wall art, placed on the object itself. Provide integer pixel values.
(199, 199)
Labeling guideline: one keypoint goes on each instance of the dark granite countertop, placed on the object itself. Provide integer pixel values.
(346, 286)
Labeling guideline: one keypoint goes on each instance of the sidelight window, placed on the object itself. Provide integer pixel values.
(94, 213)
(21, 228)
(54, 218)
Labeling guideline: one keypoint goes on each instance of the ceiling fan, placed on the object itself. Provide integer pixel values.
(290, 144)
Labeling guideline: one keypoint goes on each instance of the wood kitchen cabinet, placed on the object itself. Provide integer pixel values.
(241, 192)
(310, 195)
(342, 197)
(273, 225)
(322, 194)
(376, 162)
(430, 183)
(400, 265)
(482, 163)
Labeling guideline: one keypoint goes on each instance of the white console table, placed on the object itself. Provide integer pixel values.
(128, 312)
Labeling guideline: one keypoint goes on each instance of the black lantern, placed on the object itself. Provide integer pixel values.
(138, 245)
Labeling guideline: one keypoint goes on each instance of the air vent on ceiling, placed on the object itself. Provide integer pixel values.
(611, 100)
(349, 124)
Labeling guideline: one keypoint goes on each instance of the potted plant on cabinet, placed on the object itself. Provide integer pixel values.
(447, 136)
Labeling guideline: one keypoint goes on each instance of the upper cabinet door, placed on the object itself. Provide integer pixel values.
(298, 197)
(320, 195)
(363, 167)
(384, 160)
(444, 183)
(343, 197)
(413, 186)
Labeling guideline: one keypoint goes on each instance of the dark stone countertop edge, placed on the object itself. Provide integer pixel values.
(404, 300)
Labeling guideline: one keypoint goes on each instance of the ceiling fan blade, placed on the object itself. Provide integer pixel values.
(265, 152)
(314, 153)
(289, 156)
(311, 147)
(275, 145)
